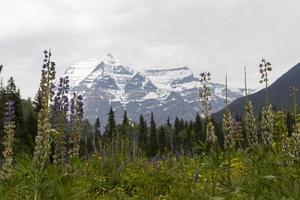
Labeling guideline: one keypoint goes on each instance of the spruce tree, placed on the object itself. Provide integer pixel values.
(198, 128)
(162, 140)
(126, 140)
(142, 135)
(169, 124)
(111, 125)
(152, 144)
(45, 133)
(110, 131)
(97, 136)
(176, 138)
(31, 129)
(13, 94)
(86, 141)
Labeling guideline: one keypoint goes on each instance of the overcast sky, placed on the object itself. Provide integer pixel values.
(220, 36)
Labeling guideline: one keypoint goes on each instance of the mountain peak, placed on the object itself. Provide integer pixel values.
(110, 59)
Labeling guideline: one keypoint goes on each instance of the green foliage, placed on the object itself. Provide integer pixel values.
(255, 174)
(29, 182)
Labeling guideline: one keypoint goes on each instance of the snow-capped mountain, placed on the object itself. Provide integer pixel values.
(165, 92)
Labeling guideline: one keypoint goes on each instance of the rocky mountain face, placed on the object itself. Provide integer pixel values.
(167, 93)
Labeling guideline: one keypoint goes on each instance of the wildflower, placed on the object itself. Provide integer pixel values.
(267, 126)
(76, 118)
(250, 124)
(227, 124)
(9, 130)
(45, 133)
(61, 107)
(205, 94)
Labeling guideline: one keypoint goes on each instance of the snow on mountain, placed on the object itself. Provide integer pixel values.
(167, 93)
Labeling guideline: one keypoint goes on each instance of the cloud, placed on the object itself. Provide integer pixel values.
(219, 36)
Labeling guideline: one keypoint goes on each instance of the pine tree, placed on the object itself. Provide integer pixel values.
(142, 135)
(111, 125)
(38, 101)
(31, 129)
(14, 95)
(169, 124)
(198, 128)
(98, 136)
(60, 111)
(152, 144)
(76, 120)
(45, 133)
(111, 131)
(126, 140)
(162, 140)
(176, 138)
(9, 129)
(86, 141)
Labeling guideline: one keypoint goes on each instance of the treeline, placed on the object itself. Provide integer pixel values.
(53, 130)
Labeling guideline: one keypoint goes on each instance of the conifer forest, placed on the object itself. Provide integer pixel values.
(50, 151)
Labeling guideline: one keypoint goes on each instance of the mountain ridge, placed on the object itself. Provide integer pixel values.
(279, 95)
(168, 92)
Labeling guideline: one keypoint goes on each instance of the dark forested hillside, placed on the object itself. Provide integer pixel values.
(279, 95)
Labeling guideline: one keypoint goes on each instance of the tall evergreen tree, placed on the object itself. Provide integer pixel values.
(162, 140)
(111, 131)
(198, 128)
(142, 135)
(111, 125)
(152, 144)
(177, 130)
(98, 136)
(126, 139)
(169, 124)
(13, 94)
(86, 141)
